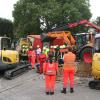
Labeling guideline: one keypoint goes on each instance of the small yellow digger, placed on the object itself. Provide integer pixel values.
(9, 60)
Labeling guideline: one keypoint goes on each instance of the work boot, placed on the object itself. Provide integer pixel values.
(64, 91)
(71, 90)
(47, 93)
(51, 93)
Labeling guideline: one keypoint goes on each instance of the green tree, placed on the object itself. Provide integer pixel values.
(36, 16)
(26, 19)
(6, 27)
(98, 21)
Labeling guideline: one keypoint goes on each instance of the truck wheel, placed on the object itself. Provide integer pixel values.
(86, 54)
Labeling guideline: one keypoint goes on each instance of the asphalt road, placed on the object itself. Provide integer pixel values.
(30, 86)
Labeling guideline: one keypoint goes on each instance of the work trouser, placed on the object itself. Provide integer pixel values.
(41, 67)
(29, 59)
(37, 58)
(50, 83)
(32, 62)
(68, 74)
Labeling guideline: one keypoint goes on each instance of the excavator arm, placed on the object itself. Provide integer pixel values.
(82, 22)
(78, 23)
(66, 35)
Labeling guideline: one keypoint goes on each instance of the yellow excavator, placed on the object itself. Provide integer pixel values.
(9, 60)
(95, 84)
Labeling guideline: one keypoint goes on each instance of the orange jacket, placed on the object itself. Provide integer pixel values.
(31, 53)
(42, 57)
(50, 69)
(69, 61)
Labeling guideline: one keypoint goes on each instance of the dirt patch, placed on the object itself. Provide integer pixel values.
(84, 70)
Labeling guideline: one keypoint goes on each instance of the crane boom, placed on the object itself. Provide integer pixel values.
(71, 25)
(78, 23)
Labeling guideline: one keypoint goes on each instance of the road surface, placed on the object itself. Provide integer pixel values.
(30, 86)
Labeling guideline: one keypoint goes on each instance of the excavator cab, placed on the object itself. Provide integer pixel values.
(8, 58)
(10, 65)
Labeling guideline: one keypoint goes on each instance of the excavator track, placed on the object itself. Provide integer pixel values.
(20, 69)
(95, 84)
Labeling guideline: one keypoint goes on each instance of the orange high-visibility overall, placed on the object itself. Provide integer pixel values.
(42, 59)
(69, 69)
(31, 57)
(50, 71)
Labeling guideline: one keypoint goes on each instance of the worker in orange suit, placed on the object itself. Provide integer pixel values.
(31, 56)
(69, 68)
(42, 59)
(50, 70)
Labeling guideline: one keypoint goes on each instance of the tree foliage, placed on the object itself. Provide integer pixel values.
(6, 27)
(36, 16)
(97, 21)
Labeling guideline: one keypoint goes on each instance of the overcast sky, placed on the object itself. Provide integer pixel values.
(6, 7)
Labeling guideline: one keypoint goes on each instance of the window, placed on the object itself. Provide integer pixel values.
(5, 43)
(97, 45)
